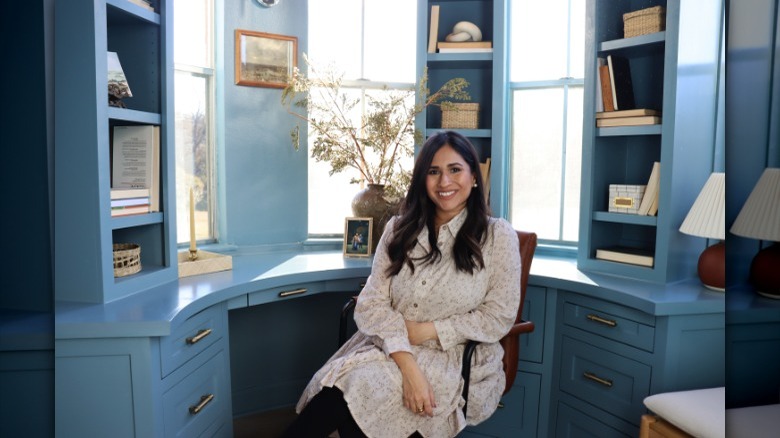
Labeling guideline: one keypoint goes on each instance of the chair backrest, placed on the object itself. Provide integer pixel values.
(511, 341)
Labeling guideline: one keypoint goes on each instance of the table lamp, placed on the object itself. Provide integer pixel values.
(760, 219)
(707, 218)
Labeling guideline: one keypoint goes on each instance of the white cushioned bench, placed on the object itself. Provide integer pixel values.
(697, 413)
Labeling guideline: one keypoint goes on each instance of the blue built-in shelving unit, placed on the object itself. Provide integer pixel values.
(675, 71)
(84, 229)
(485, 72)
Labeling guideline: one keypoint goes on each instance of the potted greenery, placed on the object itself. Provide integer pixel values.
(373, 144)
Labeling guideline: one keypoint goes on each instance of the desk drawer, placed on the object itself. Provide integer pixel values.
(611, 323)
(191, 337)
(618, 384)
(200, 401)
(285, 292)
(575, 424)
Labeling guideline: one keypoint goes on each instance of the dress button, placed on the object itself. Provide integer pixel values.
(424, 283)
(415, 304)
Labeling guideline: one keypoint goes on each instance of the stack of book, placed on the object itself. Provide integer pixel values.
(136, 161)
(125, 202)
(632, 117)
(617, 106)
(624, 254)
(465, 47)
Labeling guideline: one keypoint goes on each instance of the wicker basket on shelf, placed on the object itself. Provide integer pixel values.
(127, 259)
(459, 115)
(644, 21)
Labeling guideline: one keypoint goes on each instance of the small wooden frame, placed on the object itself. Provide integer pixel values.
(264, 59)
(357, 236)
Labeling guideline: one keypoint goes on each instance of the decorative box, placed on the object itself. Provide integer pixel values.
(459, 115)
(625, 198)
(644, 21)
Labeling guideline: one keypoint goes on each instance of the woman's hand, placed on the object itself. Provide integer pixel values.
(417, 392)
(420, 332)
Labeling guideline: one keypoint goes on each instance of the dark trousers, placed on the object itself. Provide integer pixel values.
(326, 412)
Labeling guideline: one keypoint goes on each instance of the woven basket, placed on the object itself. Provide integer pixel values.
(127, 259)
(644, 21)
(459, 115)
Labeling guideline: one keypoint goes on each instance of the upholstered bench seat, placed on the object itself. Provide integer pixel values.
(699, 413)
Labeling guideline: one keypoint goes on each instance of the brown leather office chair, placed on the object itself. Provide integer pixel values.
(510, 342)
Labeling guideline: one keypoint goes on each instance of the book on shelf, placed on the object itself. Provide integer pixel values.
(627, 121)
(467, 50)
(627, 113)
(136, 160)
(599, 98)
(123, 193)
(606, 88)
(433, 36)
(129, 202)
(465, 45)
(143, 3)
(620, 79)
(129, 210)
(625, 254)
(484, 168)
(649, 204)
(118, 88)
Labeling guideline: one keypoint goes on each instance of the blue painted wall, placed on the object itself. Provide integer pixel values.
(752, 115)
(264, 180)
(25, 174)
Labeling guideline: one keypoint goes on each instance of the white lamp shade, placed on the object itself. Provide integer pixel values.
(760, 216)
(707, 217)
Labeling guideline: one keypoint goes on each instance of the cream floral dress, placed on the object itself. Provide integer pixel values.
(462, 306)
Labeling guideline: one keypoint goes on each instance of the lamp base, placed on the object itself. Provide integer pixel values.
(712, 267)
(765, 272)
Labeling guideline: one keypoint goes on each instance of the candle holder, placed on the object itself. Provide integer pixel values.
(196, 262)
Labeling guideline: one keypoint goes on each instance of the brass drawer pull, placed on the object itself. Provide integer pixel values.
(199, 337)
(600, 320)
(204, 400)
(597, 379)
(290, 293)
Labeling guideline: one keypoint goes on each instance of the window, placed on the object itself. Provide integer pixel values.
(546, 81)
(377, 48)
(194, 83)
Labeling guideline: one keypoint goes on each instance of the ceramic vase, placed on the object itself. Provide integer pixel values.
(371, 202)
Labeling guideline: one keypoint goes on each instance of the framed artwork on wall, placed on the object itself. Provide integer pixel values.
(357, 236)
(264, 59)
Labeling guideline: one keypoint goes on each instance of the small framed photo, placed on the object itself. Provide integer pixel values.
(265, 59)
(357, 236)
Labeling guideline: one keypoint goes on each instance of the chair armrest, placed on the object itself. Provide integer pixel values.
(348, 306)
(510, 345)
(521, 327)
(468, 353)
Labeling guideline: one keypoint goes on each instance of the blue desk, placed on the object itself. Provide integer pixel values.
(126, 366)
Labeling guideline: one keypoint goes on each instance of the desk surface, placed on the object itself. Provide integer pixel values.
(152, 312)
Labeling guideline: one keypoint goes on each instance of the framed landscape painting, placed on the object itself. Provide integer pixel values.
(357, 236)
(264, 59)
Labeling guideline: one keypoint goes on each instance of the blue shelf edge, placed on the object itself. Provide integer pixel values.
(624, 218)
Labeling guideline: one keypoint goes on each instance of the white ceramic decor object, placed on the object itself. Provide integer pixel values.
(464, 31)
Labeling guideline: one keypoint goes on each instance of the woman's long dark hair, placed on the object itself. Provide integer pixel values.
(418, 211)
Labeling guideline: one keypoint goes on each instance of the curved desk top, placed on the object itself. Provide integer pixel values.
(154, 311)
